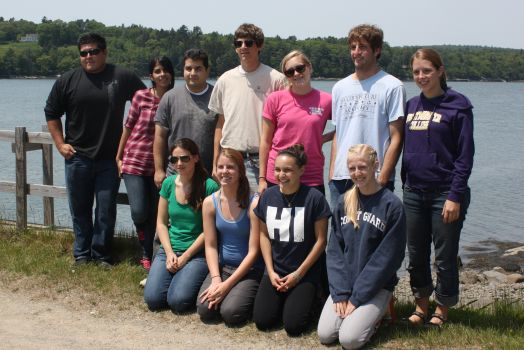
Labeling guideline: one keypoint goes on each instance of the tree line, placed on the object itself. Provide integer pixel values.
(133, 46)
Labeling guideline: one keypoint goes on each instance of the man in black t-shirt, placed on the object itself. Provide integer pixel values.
(93, 99)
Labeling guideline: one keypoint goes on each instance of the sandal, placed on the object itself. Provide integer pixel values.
(440, 317)
(420, 315)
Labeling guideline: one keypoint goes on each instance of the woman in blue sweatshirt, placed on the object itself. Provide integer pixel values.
(364, 253)
(436, 164)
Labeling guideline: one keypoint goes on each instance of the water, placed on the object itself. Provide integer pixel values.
(497, 180)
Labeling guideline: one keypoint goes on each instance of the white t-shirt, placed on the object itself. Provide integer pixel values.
(362, 111)
(240, 96)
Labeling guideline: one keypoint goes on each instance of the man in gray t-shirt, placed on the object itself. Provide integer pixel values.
(183, 112)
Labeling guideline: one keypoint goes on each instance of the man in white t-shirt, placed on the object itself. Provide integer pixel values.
(368, 108)
(238, 98)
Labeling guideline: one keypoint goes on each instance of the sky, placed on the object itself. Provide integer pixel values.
(497, 23)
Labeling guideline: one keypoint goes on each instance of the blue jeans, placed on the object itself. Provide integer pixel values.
(143, 201)
(88, 180)
(337, 188)
(179, 290)
(425, 226)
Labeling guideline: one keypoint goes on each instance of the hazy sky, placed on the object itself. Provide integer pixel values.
(497, 23)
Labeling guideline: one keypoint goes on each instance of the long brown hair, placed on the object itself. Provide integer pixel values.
(243, 182)
(198, 182)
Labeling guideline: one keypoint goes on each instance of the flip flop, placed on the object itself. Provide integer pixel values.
(440, 317)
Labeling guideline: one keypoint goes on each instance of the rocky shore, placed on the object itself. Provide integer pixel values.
(492, 271)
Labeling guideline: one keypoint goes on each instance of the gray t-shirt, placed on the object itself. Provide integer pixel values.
(185, 114)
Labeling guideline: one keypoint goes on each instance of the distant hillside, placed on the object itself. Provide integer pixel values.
(133, 47)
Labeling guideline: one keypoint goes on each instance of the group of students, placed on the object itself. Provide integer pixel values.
(236, 255)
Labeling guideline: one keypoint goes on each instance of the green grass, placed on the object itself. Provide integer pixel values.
(46, 256)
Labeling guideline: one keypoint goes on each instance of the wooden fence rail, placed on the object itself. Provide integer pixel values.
(21, 143)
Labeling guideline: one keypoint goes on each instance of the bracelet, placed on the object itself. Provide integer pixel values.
(215, 276)
(262, 177)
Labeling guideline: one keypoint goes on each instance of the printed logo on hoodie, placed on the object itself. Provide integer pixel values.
(368, 217)
(420, 120)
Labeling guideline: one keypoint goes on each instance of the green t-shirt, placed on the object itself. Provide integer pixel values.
(186, 224)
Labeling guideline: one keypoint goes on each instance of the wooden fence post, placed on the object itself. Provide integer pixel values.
(21, 177)
(47, 179)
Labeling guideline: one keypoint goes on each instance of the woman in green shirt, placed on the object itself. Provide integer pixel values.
(180, 267)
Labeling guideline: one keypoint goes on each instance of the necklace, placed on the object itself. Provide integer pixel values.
(290, 201)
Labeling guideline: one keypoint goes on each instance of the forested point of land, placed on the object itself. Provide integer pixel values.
(133, 46)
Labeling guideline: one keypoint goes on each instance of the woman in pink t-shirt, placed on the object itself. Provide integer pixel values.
(296, 115)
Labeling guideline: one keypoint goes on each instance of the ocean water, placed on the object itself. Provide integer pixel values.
(497, 181)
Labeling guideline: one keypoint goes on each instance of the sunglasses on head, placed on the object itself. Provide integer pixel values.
(248, 43)
(175, 159)
(301, 68)
(92, 52)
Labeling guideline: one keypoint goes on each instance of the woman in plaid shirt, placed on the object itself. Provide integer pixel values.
(135, 154)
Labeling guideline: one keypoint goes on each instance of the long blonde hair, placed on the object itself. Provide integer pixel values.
(351, 202)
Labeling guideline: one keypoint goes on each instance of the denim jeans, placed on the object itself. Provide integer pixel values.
(143, 201)
(252, 170)
(425, 226)
(179, 290)
(89, 180)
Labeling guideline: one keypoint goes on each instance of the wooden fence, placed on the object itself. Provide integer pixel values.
(21, 143)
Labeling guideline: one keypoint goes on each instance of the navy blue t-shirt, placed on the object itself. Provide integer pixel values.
(291, 226)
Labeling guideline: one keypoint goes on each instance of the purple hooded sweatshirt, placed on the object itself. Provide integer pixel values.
(438, 144)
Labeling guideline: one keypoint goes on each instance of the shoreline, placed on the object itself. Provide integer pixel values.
(43, 77)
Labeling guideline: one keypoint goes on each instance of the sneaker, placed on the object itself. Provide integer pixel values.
(82, 261)
(145, 263)
(106, 265)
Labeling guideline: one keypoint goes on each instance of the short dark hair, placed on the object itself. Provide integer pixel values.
(166, 63)
(92, 38)
(249, 30)
(197, 54)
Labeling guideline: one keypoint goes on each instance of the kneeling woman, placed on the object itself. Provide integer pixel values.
(364, 253)
(293, 236)
(179, 267)
(232, 242)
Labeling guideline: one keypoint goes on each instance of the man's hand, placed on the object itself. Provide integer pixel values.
(66, 150)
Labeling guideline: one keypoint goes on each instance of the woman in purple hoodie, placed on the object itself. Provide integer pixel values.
(436, 164)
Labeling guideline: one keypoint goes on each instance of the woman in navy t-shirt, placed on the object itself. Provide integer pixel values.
(293, 226)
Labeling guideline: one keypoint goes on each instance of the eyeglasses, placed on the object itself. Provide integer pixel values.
(175, 159)
(92, 52)
(248, 43)
(301, 68)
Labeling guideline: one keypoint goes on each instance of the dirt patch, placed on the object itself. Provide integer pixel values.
(39, 316)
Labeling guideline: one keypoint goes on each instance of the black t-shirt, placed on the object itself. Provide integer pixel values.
(292, 229)
(94, 106)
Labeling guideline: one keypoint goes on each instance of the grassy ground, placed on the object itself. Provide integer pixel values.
(45, 259)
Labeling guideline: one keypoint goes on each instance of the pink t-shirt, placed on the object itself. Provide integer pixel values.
(299, 119)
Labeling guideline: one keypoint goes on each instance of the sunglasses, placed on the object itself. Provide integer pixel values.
(301, 68)
(92, 52)
(248, 43)
(175, 159)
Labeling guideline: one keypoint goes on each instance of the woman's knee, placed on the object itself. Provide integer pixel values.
(234, 314)
(350, 340)
(154, 301)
